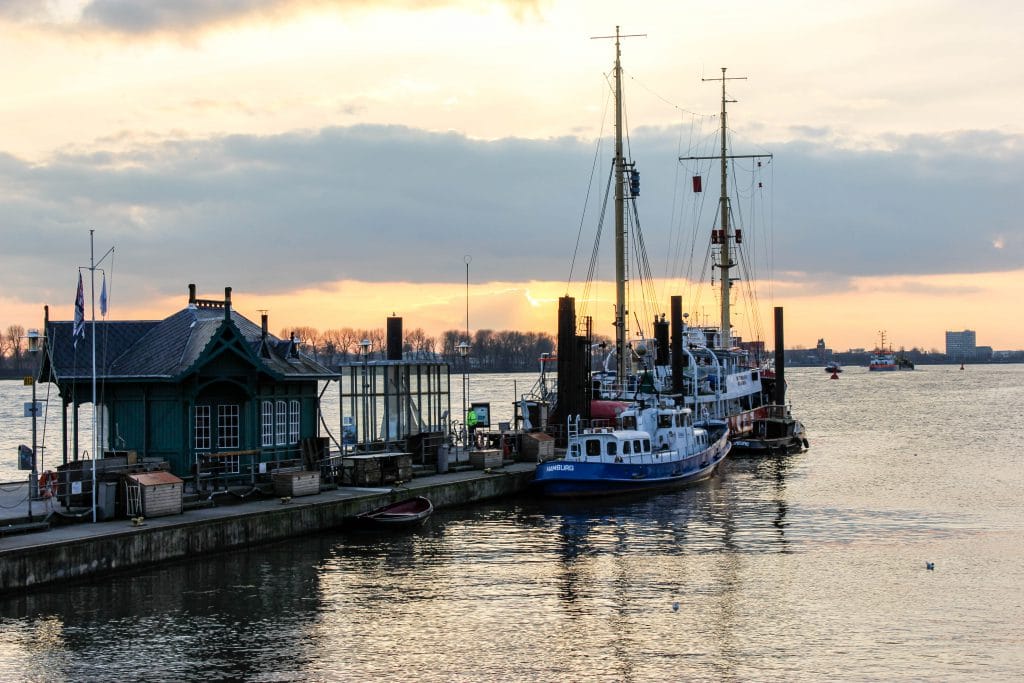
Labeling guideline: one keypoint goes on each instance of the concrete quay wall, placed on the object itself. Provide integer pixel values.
(92, 550)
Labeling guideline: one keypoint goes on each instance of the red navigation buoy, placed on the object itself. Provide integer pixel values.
(835, 375)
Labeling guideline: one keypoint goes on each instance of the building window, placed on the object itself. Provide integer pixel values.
(282, 423)
(227, 435)
(227, 426)
(293, 421)
(267, 423)
(202, 428)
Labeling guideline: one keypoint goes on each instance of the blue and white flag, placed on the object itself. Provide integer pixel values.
(103, 297)
(79, 327)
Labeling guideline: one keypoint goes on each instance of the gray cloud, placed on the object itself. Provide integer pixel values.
(177, 16)
(387, 203)
(184, 17)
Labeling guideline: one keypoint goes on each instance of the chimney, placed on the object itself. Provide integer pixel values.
(227, 303)
(192, 295)
(263, 325)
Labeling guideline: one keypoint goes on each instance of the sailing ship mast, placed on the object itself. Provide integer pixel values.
(725, 234)
(621, 314)
(623, 365)
(726, 258)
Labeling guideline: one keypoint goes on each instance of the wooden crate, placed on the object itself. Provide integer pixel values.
(487, 458)
(296, 484)
(376, 469)
(159, 493)
(537, 447)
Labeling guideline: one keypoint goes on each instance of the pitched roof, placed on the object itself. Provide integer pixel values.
(170, 348)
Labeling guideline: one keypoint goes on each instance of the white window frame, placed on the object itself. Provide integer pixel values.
(294, 420)
(229, 434)
(281, 423)
(202, 426)
(267, 423)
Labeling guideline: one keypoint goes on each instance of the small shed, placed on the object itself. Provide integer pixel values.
(153, 494)
(537, 447)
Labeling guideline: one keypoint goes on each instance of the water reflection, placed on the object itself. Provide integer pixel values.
(222, 615)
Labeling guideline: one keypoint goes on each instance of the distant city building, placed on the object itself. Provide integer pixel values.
(824, 353)
(961, 344)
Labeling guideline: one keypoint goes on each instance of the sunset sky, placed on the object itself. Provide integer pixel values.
(335, 161)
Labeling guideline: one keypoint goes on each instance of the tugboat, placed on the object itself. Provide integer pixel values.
(651, 447)
(882, 359)
(777, 434)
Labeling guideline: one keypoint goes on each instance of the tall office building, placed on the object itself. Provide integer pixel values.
(960, 345)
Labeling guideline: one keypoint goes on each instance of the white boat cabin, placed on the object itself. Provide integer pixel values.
(644, 435)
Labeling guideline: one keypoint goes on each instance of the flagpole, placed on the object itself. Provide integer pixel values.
(95, 433)
(95, 408)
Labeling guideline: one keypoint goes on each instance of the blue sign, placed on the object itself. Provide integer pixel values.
(24, 457)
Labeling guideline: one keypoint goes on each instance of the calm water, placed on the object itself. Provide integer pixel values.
(808, 568)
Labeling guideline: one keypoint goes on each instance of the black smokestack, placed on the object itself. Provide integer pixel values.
(678, 359)
(780, 359)
(394, 338)
(661, 338)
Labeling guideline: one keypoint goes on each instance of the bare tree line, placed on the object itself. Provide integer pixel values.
(14, 355)
(490, 351)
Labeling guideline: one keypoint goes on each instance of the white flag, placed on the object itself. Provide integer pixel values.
(103, 297)
(78, 330)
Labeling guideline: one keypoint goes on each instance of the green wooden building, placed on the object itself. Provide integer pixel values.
(206, 390)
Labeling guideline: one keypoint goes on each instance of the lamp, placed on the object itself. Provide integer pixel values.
(35, 345)
(463, 349)
(364, 351)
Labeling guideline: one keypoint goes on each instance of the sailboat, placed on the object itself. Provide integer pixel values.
(651, 440)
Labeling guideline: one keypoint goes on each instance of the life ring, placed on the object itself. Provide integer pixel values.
(47, 484)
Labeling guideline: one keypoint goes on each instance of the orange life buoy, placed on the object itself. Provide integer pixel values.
(47, 484)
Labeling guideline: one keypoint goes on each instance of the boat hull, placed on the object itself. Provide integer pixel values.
(743, 422)
(400, 516)
(781, 446)
(564, 478)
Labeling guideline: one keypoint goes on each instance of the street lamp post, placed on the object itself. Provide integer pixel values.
(35, 341)
(364, 351)
(463, 349)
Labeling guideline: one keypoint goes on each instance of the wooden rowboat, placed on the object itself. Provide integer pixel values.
(399, 516)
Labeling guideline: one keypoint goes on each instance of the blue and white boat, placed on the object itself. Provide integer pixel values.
(650, 447)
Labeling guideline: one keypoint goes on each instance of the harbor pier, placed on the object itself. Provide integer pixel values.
(91, 551)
